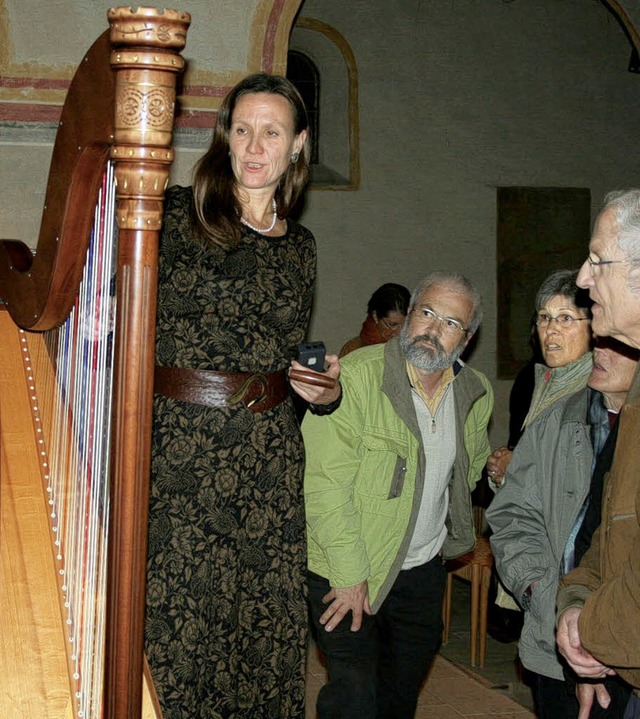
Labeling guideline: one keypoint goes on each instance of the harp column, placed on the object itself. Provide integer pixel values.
(145, 58)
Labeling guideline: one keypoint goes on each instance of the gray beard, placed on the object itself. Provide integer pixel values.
(427, 359)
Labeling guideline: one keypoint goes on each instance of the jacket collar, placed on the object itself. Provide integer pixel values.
(395, 384)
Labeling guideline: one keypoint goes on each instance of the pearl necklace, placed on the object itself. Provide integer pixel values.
(266, 229)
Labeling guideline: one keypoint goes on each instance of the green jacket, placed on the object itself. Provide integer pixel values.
(365, 470)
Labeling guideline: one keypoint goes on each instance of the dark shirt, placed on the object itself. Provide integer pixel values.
(592, 515)
(520, 401)
(599, 429)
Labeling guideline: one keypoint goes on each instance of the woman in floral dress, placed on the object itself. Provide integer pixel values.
(226, 614)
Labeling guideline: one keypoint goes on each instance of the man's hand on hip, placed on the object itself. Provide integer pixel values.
(343, 600)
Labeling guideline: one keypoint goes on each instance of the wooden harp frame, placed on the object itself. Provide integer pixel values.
(120, 106)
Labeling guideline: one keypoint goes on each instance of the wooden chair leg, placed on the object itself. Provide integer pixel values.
(476, 578)
(446, 609)
(484, 608)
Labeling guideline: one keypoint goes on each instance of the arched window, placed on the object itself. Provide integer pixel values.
(303, 73)
(323, 68)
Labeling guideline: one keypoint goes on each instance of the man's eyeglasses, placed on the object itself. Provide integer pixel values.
(594, 265)
(449, 325)
(564, 321)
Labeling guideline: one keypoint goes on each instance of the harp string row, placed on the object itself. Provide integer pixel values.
(74, 405)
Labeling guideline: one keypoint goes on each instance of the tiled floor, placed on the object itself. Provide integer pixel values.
(454, 689)
(501, 670)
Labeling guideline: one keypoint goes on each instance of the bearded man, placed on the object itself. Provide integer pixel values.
(387, 484)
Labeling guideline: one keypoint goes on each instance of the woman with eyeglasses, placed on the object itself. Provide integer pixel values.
(386, 312)
(563, 324)
(553, 482)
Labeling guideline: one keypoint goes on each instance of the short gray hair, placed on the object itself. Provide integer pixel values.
(562, 282)
(457, 282)
(626, 204)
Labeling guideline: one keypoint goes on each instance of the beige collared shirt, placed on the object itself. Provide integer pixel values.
(433, 401)
(437, 422)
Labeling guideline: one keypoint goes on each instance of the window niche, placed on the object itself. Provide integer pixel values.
(303, 73)
(322, 66)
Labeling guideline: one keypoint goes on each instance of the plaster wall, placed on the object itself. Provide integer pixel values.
(456, 97)
(41, 44)
(57, 33)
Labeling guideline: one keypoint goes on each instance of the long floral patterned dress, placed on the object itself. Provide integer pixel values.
(226, 614)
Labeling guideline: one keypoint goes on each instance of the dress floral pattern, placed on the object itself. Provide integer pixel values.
(226, 613)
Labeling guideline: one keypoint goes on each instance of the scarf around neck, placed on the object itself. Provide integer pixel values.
(552, 383)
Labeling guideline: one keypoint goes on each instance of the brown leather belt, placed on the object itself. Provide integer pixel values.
(257, 392)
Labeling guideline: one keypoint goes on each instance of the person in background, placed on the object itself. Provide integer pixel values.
(522, 388)
(563, 327)
(562, 322)
(534, 515)
(226, 625)
(386, 310)
(387, 493)
(598, 604)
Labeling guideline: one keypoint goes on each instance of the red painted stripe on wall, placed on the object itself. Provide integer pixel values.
(197, 120)
(34, 83)
(204, 91)
(38, 113)
(29, 112)
(268, 48)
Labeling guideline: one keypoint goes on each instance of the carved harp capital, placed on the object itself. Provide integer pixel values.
(147, 26)
(146, 64)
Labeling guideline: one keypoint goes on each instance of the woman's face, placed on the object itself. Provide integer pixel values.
(391, 324)
(261, 140)
(563, 340)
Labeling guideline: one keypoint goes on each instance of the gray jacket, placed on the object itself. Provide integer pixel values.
(532, 515)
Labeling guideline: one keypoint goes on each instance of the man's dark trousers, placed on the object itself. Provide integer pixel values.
(377, 672)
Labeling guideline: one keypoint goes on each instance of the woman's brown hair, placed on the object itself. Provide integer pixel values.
(217, 207)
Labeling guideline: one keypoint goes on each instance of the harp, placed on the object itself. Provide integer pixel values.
(76, 385)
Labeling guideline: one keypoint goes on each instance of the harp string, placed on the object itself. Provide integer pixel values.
(76, 468)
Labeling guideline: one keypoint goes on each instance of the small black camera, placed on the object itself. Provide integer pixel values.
(311, 355)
